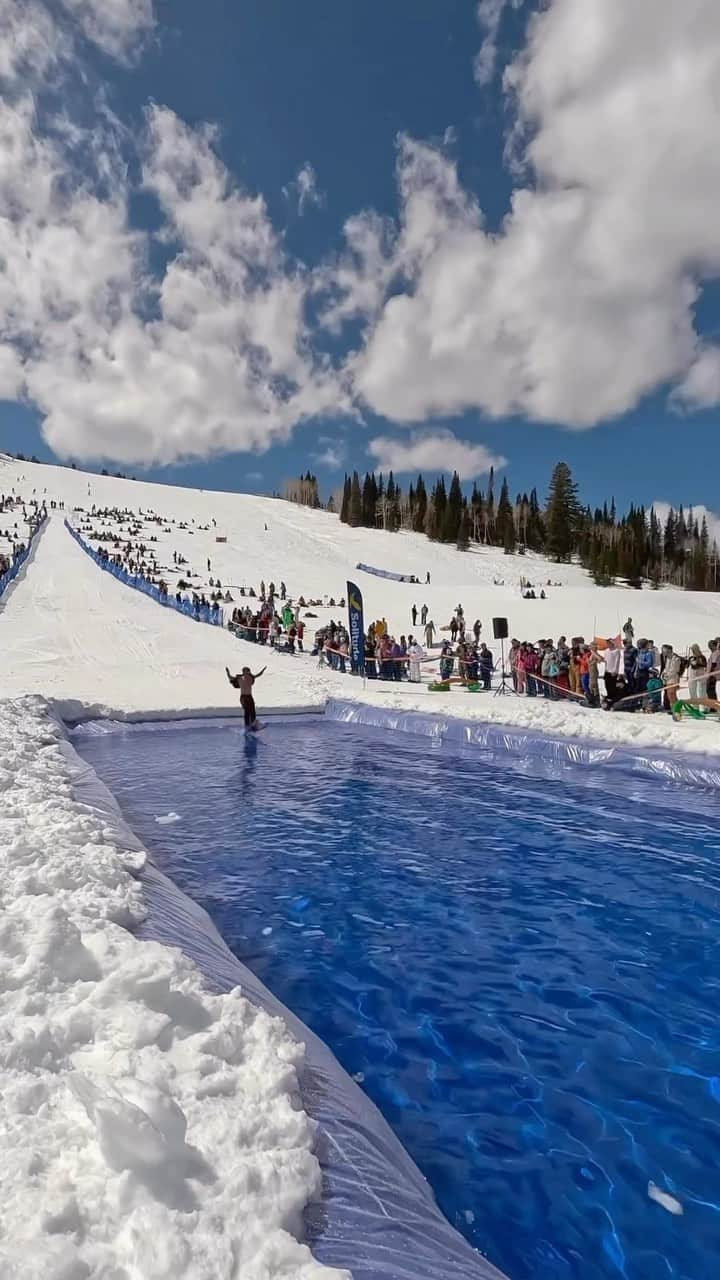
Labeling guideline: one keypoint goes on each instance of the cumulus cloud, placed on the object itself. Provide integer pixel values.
(583, 302)
(30, 41)
(433, 451)
(700, 388)
(580, 304)
(331, 454)
(213, 356)
(700, 513)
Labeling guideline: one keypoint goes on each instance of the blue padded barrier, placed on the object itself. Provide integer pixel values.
(11, 574)
(199, 613)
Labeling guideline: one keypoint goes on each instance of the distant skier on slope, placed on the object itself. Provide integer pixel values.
(244, 682)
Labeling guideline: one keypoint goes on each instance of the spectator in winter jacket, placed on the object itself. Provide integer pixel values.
(629, 659)
(653, 698)
(424, 615)
(593, 672)
(672, 671)
(644, 663)
(513, 660)
(562, 679)
(614, 667)
(447, 660)
(485, 665)
(532, 666)
(548, 671)
(416, 655)
(628, 630)
(713, 667)
(697, 666)
(477, 628)
(429, 633)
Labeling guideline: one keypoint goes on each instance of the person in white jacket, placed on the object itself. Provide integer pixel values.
(671, 675)
(416, 654)
(614, 667)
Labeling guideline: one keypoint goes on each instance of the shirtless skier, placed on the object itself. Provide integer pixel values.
(244, 682)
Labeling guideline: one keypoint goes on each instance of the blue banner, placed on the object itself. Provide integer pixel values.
(356, 628)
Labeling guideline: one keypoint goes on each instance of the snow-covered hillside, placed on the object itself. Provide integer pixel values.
(72, 633)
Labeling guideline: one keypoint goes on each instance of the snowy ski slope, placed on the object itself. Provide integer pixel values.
(72, 633)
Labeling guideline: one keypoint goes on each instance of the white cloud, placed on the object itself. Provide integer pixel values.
(490, 14)
(331, 455)
(116, 26)
(579, 305)
(30, 42)
(700, 388)
(699, 512)
(433, 452)
(306, 188)
(583, 302)
(212, 357)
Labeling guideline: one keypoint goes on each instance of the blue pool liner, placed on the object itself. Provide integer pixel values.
(378, 1216)
(682, 767)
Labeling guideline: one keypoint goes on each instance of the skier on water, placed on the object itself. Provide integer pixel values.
(244, 682)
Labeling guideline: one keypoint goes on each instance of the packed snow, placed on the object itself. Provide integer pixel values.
(74, 634)
(150, 1130)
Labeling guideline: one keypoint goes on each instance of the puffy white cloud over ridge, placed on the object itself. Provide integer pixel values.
(433, 451)
(580, 304)
(583, 302)
(212, 357)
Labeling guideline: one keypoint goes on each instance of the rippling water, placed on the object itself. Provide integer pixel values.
(520, 964)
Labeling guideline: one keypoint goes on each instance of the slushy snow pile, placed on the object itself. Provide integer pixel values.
(149, 1130)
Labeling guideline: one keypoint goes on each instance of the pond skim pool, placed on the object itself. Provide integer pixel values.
(519, 963)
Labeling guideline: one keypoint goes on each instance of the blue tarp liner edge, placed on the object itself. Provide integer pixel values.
(386, 573)
(378, 1217)
(682, 767)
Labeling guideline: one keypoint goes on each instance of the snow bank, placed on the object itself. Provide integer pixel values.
(150, 1130)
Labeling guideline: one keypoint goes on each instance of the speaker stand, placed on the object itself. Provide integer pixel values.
(506, 685)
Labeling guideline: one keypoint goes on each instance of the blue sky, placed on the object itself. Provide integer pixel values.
(334, 85)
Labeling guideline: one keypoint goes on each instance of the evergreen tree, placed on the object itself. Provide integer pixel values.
(436, 510)
(505, 521)
(561, 514)
(535, 529)
(421, 503)
(380, 503)
(369, 500)
(463, 537)
(476, 512)
(489, 510)
(355, 516)
(345, 507)
(452, 515)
